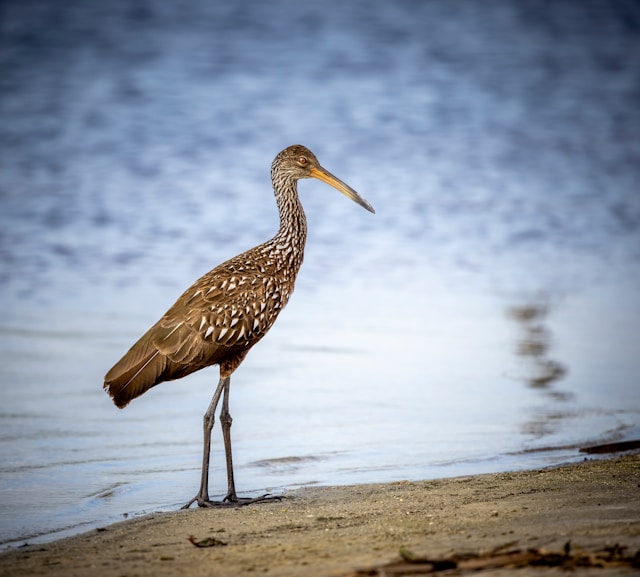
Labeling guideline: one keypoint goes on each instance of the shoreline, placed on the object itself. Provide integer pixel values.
(593, 505)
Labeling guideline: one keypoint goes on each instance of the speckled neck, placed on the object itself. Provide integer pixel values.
(287, 246)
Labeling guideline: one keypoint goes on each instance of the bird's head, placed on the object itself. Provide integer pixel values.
(297, 162)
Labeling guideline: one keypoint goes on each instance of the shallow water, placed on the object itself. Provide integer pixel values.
(486, 318)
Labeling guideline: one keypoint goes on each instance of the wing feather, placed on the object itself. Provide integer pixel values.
(221, 315)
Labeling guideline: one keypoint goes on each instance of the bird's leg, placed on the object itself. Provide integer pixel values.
(232, 500)
(225, 422)
(202, 498)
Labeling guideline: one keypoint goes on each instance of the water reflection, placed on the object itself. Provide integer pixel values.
(537, 368)
(533, 345)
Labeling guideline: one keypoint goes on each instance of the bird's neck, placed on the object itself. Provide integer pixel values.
(287, 246)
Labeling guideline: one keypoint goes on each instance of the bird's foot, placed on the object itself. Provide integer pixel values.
(199, 499)
(231, 501)
(235, 501)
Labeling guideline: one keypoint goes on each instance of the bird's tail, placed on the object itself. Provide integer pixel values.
(135, 373)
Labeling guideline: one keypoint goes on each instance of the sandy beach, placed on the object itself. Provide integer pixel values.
(587, 513)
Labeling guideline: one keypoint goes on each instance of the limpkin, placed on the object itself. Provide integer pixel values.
(226, 312)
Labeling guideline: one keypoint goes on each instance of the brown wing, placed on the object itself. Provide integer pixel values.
(222, 315)
(140, 369)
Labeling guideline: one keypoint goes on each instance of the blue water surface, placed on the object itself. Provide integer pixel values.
(485, 318)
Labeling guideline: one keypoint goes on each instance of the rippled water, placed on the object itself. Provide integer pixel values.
(486, 318)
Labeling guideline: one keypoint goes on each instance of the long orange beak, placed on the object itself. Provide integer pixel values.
(325, 176)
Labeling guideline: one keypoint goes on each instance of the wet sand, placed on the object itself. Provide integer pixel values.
(366, 529)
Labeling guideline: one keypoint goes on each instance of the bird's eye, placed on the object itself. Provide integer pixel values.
(302, 160)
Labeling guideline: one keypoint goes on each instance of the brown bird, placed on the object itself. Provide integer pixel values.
(227, 311)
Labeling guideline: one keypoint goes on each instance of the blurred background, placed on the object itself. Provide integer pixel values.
(486, 318)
